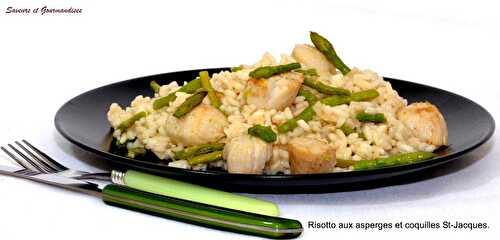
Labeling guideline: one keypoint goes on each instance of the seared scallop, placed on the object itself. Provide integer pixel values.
(276, 92)
(204, 124)
(309, 57)
(309, 155)
(247, 154)
(425, 122)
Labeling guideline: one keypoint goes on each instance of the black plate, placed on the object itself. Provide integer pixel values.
(83, 122)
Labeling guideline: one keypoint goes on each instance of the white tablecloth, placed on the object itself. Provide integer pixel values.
(46, 60)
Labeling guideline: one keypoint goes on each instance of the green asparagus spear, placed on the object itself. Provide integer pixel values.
(155, 86)
(205, 158)
(355, 97)
(336, 100)
(400, 159)
(346, 129)
(134, 152)
(343, 163)
(190, 87)
(189, 104)
(364, 95)
(235, 69)
(205, 83)
(119, 144)
(130, 121)
(323, 88)
(308, 72)
(268, 71)
(197, 150)
(308, 95)
(265, 133)
(325, 47)
(164, 101)
(366, 117)
(305, 115)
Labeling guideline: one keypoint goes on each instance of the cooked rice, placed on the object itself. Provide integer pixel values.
(379, 140)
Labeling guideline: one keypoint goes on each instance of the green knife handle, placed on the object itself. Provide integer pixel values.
(192, 192)
(201, 214)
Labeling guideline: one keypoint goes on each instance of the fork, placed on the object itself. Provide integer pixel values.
(38, 161)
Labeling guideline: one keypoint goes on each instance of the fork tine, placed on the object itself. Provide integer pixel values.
(45, 156)
(26, 172)
(13, 157)
(27, 159)
(36, 159)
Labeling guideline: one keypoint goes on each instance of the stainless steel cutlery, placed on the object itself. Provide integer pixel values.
(38, 166)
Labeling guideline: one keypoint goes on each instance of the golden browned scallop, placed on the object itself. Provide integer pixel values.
(426, 123)
(204, 124)
(247, 154)
(309, 57)
(276, 92)
(309, 155)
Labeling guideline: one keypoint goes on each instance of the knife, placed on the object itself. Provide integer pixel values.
(171, 208)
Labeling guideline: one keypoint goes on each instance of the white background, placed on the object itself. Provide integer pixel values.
(46, 60)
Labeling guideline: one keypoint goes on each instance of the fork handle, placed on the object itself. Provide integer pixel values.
(201, 214)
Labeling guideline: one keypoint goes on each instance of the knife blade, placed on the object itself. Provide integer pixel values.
(171, 208)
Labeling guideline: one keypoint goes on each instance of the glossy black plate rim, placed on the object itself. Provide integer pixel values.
(171, 171)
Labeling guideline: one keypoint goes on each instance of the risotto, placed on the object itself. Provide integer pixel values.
(301, 113)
